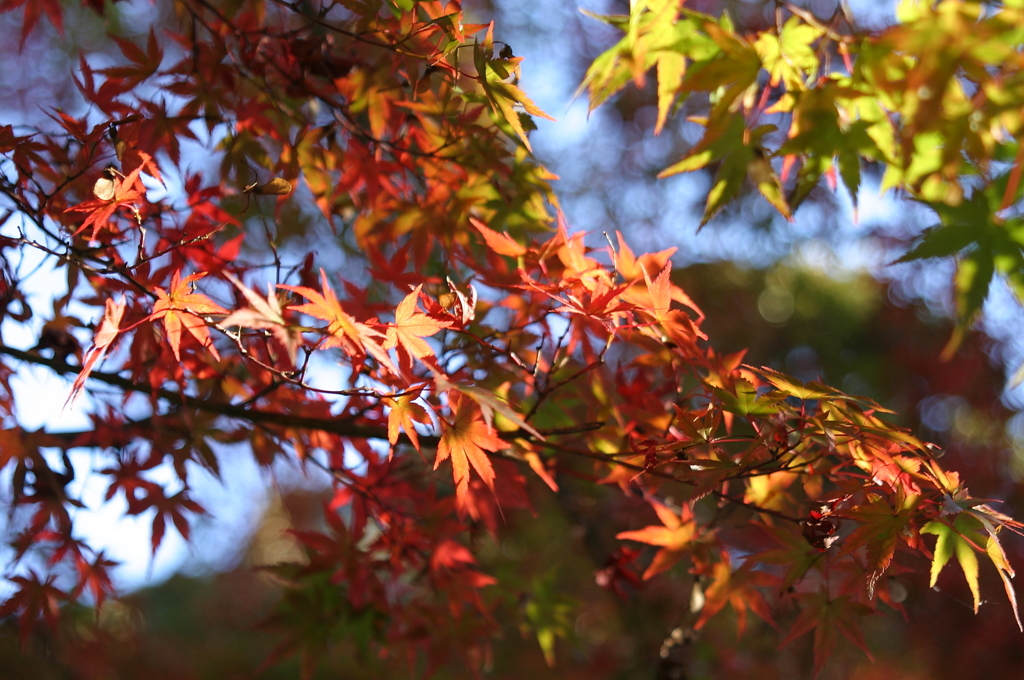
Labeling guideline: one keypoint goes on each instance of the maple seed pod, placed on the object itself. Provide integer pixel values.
(456, 303)
(275, 187)
(104, 188)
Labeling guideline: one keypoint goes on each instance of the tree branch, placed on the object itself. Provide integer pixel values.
(338, 426)
(333, 426)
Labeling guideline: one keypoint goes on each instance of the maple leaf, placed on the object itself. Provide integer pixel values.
(746, 401)
(411, 326)
(466, 440)
(499, 242)
(33, 599)
(998, 556)
(166, 506)
(962, 538)
(888, 468)
(769, 491)
(33, 8)
(676, 325)
(503, 96)
(796, 555)
(880, 530)
(105, 335)
(120, 193)
(675, 536)
(264, 314)
(181, 308)
(404, 412)
(144, 64)
(741, 154)
(975, 528)
(537, 465)
(663, 292)
(738, 589)
(632, 267)
(603, 306)
(353, 337)
(127, 476)
(825, 616)
(95, 576)
(548, 612)
(489, 404)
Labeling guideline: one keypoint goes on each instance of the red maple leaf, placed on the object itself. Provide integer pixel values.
(34, 599)
(108, 330)
(94, 575)
(827, 616)
(123, 193)
(33, 9)
(172, 507)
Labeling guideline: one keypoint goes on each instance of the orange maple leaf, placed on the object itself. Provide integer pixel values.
(343, 331)
(537, 465)
(466, 440)
(181, 308)
(632, 267)
(499, 242)
(663, 292)
(404, 412)
(411, 326)
(674, 537)
(737, 588)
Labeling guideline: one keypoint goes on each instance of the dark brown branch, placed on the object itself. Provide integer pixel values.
(338, 426)
(605, 458)
(333, 426)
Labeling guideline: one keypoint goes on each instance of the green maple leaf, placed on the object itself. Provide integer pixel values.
(988, 244)
(975, 528)
(819, 136)
(740, 154)
(746, 402)
(962, 538)
(789, 56)
(547, 612)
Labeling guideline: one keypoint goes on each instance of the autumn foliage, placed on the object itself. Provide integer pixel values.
(368, 275)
